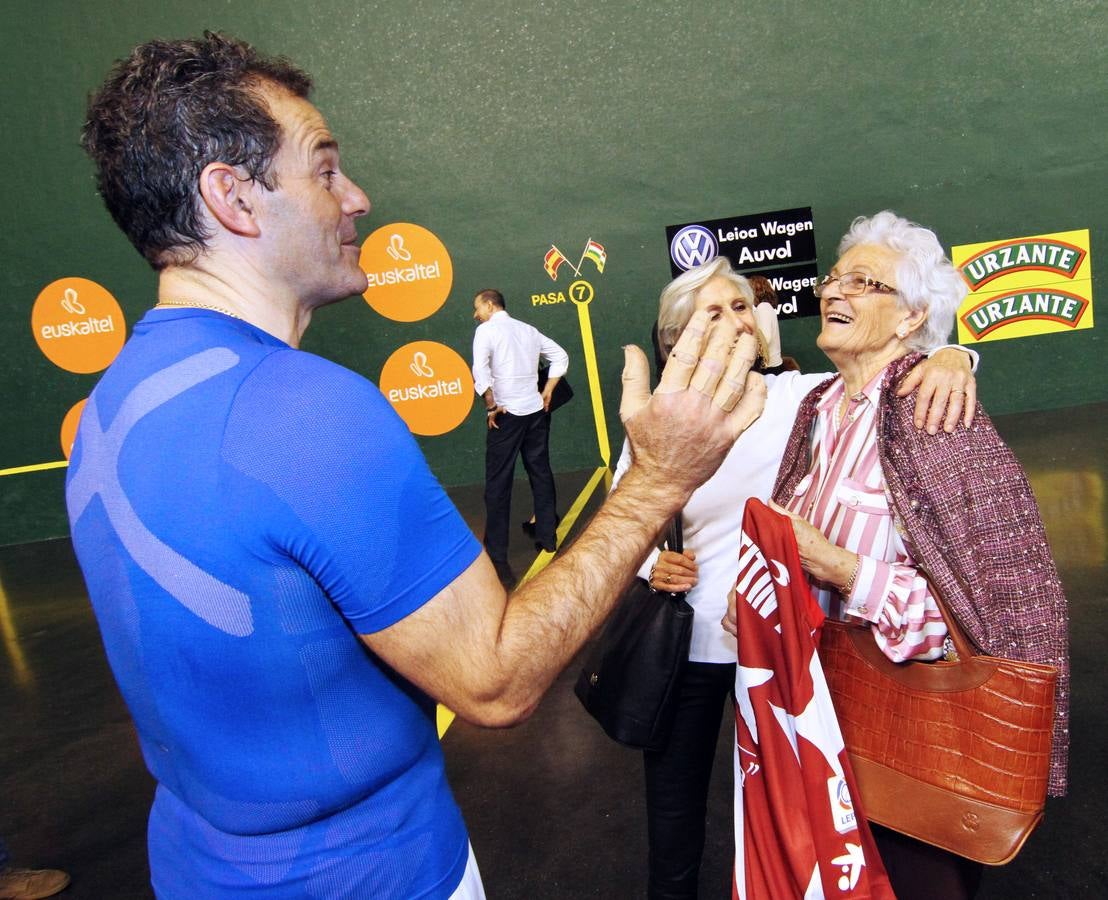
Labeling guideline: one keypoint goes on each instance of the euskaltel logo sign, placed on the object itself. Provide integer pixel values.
(78, 325)
(429, 385)
(409, 272)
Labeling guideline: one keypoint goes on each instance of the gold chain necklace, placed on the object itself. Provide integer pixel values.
(188, 304)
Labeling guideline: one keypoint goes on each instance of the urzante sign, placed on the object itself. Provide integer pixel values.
(780, 245)
(1025, 286)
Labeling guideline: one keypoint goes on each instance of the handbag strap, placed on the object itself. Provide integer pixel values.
(674, 537)
(964, 648)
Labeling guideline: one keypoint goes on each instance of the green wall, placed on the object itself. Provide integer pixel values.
(505, 127)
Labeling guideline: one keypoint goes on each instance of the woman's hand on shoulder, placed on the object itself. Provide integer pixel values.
(947, 390)
(674, 572)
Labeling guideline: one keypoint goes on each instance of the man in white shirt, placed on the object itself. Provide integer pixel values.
(506, 356)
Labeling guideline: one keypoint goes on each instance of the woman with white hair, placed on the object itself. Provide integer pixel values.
(677, 777)
(874, 506)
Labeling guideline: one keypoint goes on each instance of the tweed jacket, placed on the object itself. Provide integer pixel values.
(967, 515)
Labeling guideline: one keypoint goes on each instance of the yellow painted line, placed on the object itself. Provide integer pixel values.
(594, 383)
(10, 640)
(543, 559)
(444, 718)
(37, 467)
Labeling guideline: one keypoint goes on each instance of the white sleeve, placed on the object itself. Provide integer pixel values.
(482, 355)
(974, 358)
(555, 355)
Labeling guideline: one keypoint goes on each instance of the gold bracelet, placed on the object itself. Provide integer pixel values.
(849, 586)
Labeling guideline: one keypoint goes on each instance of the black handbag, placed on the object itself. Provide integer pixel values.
(562, 393)
(632, 677)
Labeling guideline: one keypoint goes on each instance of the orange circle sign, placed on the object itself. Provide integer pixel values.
(429, 385)
(78, 325)
(409, 272)
(69, 426)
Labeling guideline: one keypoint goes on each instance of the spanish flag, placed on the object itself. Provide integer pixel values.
(553, 259)
(595, 252)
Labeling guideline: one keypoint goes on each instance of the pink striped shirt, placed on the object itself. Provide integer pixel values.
(843, 495)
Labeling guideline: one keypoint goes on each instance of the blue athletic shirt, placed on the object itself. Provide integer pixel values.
(241, 511)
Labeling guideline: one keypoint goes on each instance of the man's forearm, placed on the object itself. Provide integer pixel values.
(490, 657)
(547, 620)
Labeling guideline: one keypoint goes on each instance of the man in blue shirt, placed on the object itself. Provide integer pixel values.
(282, 587)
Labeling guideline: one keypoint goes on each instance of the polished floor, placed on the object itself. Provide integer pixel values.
(555, 810)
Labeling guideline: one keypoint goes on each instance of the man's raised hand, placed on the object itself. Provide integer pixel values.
(706, 398)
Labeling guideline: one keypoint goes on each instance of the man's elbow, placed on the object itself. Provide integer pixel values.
(502, 711)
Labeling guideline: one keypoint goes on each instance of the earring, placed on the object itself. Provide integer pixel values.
(902, 332)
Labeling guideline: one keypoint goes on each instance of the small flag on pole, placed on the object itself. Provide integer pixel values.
(597, 254)
(554, 258)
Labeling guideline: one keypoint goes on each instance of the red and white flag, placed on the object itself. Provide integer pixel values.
(797, 830)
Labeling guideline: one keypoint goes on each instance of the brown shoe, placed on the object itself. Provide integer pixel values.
(30, 884)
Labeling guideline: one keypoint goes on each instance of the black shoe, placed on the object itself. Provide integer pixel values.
(528, 527)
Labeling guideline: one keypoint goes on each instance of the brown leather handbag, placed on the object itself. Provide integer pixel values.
(955, 752)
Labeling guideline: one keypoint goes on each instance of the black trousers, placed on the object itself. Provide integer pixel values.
(677, 781)
(528, 436)
(919, 871)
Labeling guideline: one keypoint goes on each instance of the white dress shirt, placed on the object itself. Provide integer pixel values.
(506, 358)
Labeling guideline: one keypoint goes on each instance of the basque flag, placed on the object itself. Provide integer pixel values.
(798, 832)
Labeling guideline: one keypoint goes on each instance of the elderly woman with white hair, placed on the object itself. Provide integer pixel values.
(677, 777)
(874, 506)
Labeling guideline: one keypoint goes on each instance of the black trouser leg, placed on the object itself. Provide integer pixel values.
(536, 461)
(501, 449)
(677, 781)
(919, 871)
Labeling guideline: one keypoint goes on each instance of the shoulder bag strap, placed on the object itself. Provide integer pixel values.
(674, 538)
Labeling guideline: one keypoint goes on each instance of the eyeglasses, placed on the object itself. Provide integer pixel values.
(851, 284)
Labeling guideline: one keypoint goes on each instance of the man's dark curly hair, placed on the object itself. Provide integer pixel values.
(163, 114)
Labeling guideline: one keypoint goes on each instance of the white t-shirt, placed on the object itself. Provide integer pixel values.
(712, 519)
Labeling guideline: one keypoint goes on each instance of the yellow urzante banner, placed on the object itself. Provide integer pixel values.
(1024, 286)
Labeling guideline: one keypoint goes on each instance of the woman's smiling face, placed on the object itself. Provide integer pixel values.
(866, 323)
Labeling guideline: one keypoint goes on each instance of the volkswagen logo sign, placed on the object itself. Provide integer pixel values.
(692, 246)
